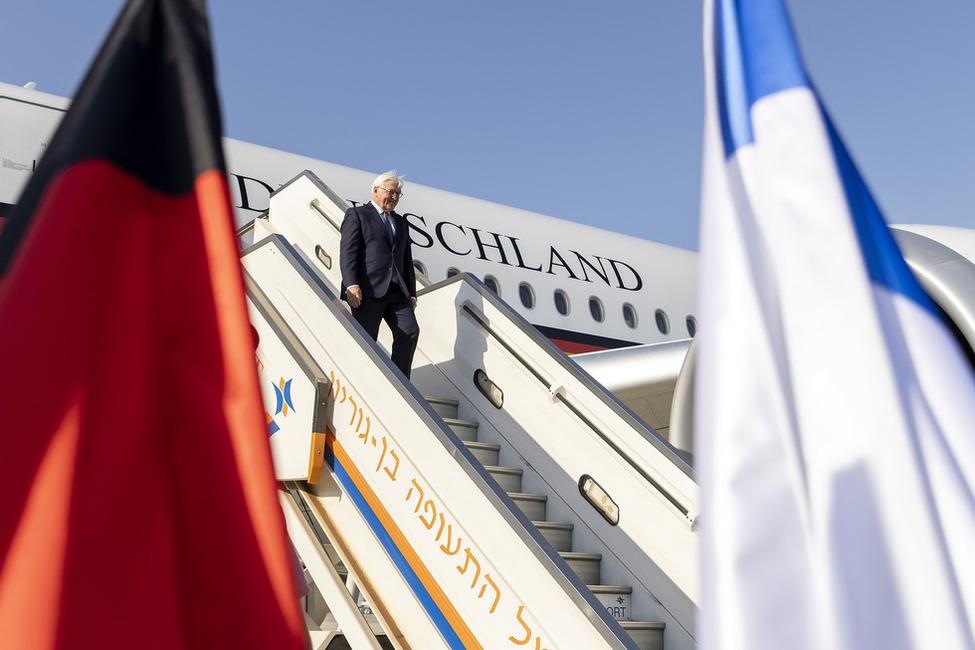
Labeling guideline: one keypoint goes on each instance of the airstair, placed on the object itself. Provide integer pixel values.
(500, 499)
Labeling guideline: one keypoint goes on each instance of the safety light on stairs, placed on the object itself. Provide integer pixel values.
(488, 388)
(325, 258)
(595, 495)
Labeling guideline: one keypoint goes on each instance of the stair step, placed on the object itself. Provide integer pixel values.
(615, 598)
(466, 430)
(646, 635)
(533, 505)
(559, 535)
(585, 565)
(484, 452)
(509, 479)
(445, 408)
(339, 642)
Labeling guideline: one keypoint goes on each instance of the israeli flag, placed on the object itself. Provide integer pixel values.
(835, 426)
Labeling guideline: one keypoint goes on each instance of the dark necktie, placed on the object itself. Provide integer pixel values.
(388, 221)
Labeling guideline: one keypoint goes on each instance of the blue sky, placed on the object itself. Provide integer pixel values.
(581, 110)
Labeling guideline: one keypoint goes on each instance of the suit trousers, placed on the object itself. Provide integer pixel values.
(397, 310)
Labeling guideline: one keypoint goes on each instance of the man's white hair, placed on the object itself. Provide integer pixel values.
(389, 176)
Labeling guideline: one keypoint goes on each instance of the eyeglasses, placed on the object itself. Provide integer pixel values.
(395, 193)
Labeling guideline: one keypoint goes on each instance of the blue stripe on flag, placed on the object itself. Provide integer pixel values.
(733, 104)
(772, 62)
(757, 56)
(882, 256)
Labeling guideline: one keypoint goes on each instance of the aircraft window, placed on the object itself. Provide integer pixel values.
(663, 323)
(596, 309)
(562, 302)
(451, 272)
(691, 325)
(492, 284)
(629, 315)
(527, 295)
(420, 267)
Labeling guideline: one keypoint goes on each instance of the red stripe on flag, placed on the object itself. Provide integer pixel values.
(138, 487)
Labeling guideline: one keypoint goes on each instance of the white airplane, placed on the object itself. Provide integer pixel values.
(585, 288)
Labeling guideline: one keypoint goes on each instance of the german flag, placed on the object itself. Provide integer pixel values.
(138, 505)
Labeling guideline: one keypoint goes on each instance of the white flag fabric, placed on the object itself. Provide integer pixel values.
(835, 421)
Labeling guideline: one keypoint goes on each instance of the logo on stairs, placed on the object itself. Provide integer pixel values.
(283, 405)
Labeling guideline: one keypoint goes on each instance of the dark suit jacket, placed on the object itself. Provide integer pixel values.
(369, 259)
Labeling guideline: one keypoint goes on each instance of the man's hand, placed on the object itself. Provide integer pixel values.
(353, 296)
(413, 300)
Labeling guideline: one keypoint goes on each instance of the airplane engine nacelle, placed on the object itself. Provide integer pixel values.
(943, 260)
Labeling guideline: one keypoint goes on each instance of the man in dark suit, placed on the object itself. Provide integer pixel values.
(378, 278)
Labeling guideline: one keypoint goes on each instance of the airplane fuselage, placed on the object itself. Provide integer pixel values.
(585, 288)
